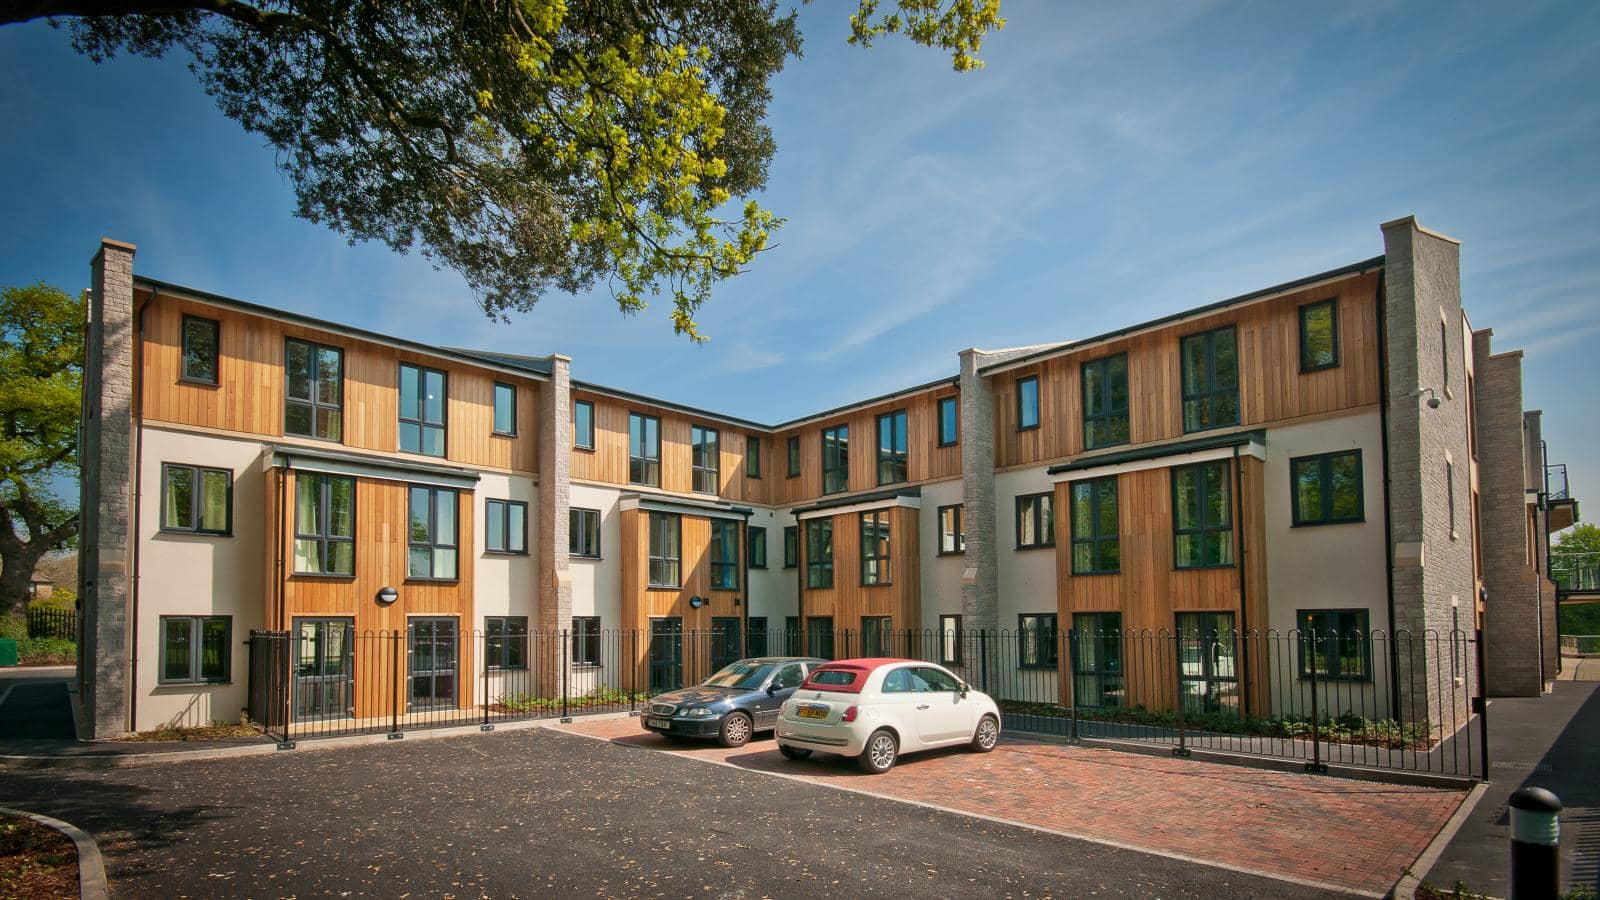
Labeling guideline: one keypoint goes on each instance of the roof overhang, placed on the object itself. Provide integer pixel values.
(1181, 453)
(910, 498)
(357, 465)
(683, 506)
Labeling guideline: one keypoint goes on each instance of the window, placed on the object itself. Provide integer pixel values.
(583, 532)
(1027, 403)
(1319, 335)
(950, 640)
(505, 642)
(666, 561)
(819, 553)
(705, 460)
(324, 524)
(1105, 402)
(1450, 493)
(877, 636)
(1097, 659)
(1096, 547)
(725, 642)
(1036, 641)
(422, 410)
(1210, 363)
(644, 449)
(1208, 673)
(505, 409)
(197, 499)
(200, 340)
(952, 540)
(875, 547)
(1327, 488)
(432, 541)
(196, 649)
(819, 636)
(756, 644)
(724, 555)
(791, 546)
(586, 640)
(794, 456)
(1334, 642)
(752, 456)
(949, 422)
(758, 547)
(791, 635)
(835, 459)
(313, 394)
(583, 424)
(1036, 521)
(506, 528)
(1202, 516)
(892, 448)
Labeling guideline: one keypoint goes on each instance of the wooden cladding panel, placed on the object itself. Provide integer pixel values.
(925, 459)
(848, 600)
(249, 396)
(1271, 385)
(641, 602)
(608, 461)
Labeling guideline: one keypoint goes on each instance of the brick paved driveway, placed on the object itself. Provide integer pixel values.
(1354, 835)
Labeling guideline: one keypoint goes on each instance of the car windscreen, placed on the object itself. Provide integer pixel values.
(847, 680)
(742, 675)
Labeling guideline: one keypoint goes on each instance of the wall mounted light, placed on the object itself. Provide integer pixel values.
(387, 595)
(1433, 398)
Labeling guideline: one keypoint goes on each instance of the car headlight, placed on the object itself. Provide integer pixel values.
(701, 713)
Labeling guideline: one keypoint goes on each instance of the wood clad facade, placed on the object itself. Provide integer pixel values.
(1271, 386)
(607, 462)
(848, 600)
(248, 397)
(925, 459)
(642, 601)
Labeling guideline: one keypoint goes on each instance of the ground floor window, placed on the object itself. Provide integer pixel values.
(666, 654)
(586, 640)
(819, 636)
(950, 640)
(1208, 673)
(505, 642)
(725, 643)
(791, 636)
(1097, 659)
(1036, 641)
(196, 649)
(877, 635)
(1334, 643)
(757, 639)
(433, 649)
(324, 655)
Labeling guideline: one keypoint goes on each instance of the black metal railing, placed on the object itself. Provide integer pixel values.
(60, 624)
(1402, 702)
(1575, 571)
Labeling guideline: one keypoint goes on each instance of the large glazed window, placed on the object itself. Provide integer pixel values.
(666, 558)
(314, 390)
(1105, 402)
(1202, 516)
(705, 459)
(1096, 544)
(875, 547)
(819, 553)
(892, 448)
(422, 410)
(644, 449)
(1210, 379)
(324, 524)
(434, 534)
(835, 459)
(724, 555)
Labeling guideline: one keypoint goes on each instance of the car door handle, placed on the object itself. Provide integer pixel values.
(923, 706)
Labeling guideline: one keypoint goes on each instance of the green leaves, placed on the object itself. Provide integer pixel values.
(958, 28)
(41, 355)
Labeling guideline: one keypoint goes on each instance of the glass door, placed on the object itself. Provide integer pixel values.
(724, 642)
(1208, 675)
(322, 669)
(432, 651)
(666, 654)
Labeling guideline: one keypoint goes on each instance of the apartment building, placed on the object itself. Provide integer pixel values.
(1332, 453)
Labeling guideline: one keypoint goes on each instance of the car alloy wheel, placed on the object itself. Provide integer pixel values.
(987, 736)
(736, 730)
(880, 753)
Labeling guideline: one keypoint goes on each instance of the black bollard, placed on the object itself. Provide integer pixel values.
(1535, 844)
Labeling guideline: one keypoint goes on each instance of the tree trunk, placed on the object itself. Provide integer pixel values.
(18, 561)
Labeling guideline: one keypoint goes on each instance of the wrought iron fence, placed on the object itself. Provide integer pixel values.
(60, 624)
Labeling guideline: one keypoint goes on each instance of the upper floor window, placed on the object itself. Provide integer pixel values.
(644, 449)
(892, 447)
(875, 547)
(583, 532)
(195, 498)
(1036, 521)
(1105, 402)
(949, 421)
(422, 410)
(819, 553)
(835, 459)
(1202, 523)
(1327, 488)
(506, 526)
(313, 397)
(705, 460)
(758, 547)
(666, 556)
(1027, 403)
(794, 456)
(505, 409)
(724, 555)
(433, 534)
(1319, 335)
(1096, 544)
(791, 546)
(324, 524)
(1210, 379)
(952, 539)
(200, 349)
(583, 424)
(752, 456)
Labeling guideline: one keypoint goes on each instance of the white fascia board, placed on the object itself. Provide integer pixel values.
(1253, 448)
(884, 503)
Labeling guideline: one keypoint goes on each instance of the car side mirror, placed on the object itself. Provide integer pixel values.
(772, 689)
(963, 687)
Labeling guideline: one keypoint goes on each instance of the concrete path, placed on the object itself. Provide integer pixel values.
(1551, 742)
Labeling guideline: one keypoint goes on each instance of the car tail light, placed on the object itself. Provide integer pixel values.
(849, 715)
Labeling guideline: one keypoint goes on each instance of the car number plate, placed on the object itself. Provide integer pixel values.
(813, 712)
(658, 723)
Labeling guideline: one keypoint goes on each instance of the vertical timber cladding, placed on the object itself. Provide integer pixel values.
(1150, 592)
(641, 602)
(249, 395)
(607, 461)
(849, 600)
(381, 519)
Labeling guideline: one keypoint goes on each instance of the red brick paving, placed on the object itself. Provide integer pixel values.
(1355, 835)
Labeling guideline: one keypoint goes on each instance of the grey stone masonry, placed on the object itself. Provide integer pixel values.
(554, 608)
(980, 579)
(106, 457)
(1429, 471)
(1512, 615)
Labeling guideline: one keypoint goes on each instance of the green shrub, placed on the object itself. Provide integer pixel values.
(14, 627)
(46, 651)
(62, 598)
(526, 703)
(1346, 729)
(1579, 618)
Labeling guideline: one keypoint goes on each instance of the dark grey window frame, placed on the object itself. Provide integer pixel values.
(819, 570)
(1043, 523)
(1110, 413)
(884, 575)
(960, 534)
(1095, 539)
(1328, 650)
(577, 517)
(494, 413)
(501, 657)
(580, 439)
(195, 500)
(1204, 527)
(950, 439)
(325, 513)
(506, 512)
(314, 381)
(649, 467)
(1108, 665)
(434, 543)
(1038, 403)
(955, 632)
(1045, 638)
(706, 440)
(1208, 393)
(752, 456)
(1332, 303)
(723, 554)
(794, 456)
(216, 351)
(894, 466)
(586, 638)
(756, 536)
(196, 650)
(791, 546)
(883, 633)
(422, 421)
(839, 438)
(756, 635)
(1325, 516)
(665, 559)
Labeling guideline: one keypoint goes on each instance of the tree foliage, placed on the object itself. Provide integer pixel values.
(1583, 537)
(529, 144)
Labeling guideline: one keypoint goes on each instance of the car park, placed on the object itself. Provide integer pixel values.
(877, 709)
(733, 705)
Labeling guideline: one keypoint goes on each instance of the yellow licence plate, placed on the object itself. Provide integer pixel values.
(813, 712)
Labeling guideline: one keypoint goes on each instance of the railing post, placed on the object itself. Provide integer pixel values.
(983, 657)
(566, 715)
(483, 660)
(633, 670)
(1480, 704)
(1177, 645)
(1315, 766)
(283, 676)
(1071, 680)
(396, 695)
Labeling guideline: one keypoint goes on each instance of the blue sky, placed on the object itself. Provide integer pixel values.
(1114, 163)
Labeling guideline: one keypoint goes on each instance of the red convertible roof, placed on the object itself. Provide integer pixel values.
(832, 676)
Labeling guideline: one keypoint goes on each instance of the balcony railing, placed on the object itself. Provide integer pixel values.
(1555, 482)
(1575, 571)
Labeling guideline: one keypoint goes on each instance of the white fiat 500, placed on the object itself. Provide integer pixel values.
(877, 709)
